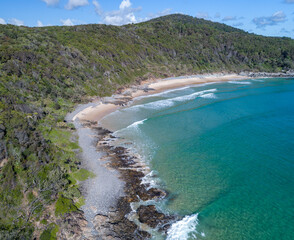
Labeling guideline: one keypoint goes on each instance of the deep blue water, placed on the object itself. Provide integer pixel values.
(224, 151)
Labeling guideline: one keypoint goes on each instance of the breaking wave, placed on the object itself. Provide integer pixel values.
(184, 229)
(136, 124)
(170, 102)
(240, 82)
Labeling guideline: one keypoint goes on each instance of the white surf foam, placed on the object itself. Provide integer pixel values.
(136, 124)
(240, 82)
(170, 102)
(257, 80)
(183, 229)
(151, 179)
(193, 95)
(208, 95)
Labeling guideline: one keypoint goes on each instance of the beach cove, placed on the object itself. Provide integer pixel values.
(118, 162)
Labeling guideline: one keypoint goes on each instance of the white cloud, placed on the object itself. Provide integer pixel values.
(276, 18)
(67, 22)
(75, 4)
(16, 22)
(2, 21)
(289, 1)
(98, 8)
(40, 24)
(125, 14)
(51, 2)
(125, 4)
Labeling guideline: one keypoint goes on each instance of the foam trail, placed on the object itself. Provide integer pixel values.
(209, 95)
(170, 102)
(151, 179)
(240, 82)
(136, 124)
(193, 95)
(184, 228)
(257, 80)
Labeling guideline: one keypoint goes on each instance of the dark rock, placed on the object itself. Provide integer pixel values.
(147, 89)
(102, 131)
(267, 74)
(116, 226)
(72, 226)
(155, 193)
(150, 216)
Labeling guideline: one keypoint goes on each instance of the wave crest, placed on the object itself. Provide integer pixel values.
(170, 102)
(240, 82)
(183, 229)
(136, 124)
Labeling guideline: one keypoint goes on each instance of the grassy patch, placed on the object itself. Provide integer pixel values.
(82, 175)
(61, 138)
(64, 205)
(50, 232)
(80, 202)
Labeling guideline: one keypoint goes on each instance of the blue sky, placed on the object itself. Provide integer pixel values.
(266, 17)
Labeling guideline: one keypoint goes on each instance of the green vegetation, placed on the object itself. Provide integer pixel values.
(64, 205)
(50, 233)
(45, 72)
(82, 175)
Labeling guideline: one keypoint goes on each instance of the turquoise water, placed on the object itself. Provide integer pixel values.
(224, 152)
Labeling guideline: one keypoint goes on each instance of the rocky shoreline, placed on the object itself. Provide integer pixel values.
(117, 224)
(289, 73)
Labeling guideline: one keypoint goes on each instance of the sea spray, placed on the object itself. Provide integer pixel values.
(184, 229)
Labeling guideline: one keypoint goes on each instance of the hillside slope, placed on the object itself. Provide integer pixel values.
(44, 72)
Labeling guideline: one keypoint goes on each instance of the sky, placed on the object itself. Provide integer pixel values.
(265, 17)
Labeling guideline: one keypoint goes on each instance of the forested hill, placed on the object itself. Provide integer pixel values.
(45, 71)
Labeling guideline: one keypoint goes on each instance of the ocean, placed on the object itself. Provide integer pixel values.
(225, 153)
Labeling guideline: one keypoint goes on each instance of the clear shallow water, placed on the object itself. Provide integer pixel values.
(224, 151)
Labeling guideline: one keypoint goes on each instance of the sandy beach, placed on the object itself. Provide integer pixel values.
(148, 87)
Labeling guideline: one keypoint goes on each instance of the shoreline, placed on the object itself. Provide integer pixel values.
(107, 105)
(131, 172)
(120, 168)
